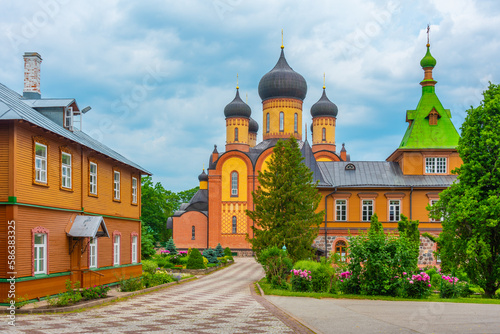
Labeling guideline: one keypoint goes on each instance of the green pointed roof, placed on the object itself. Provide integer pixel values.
(420, 134)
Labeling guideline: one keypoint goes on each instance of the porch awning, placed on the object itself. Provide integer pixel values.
(88, 227)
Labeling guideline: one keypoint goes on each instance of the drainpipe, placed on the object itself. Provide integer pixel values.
(326, 215)
(411, 193)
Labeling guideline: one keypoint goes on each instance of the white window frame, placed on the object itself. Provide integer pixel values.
(40, 164)
(40, 263)
(116, 185)
(395, 207)
(234, 184)
(134, 190)
(68, 118)
(366, 208)
(93, 179)
(341, 210)
(436, 165)
(93, 253)
(134, 249)
(116, 250)
(66, 171)
(432, 202)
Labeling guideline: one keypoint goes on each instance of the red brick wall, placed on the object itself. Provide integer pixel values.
(183, 228)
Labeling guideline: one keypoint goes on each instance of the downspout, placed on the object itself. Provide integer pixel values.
(326, 215)
(411, 193)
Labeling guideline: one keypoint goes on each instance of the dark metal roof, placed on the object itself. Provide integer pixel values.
(282, 81)
(237, 108)
(203, 176)
(324, 107)
(13, 107)
(377, 174)
(253, 126)
(199, 202)
(310, 161)
(170, 223)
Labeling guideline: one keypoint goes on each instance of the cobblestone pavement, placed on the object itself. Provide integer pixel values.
(222, 302)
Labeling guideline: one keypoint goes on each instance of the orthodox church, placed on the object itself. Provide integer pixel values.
(408, 181)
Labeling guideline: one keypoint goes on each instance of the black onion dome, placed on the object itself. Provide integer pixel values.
(324, 107)
(282, 81)
(237, 108)
(253, 126)
(203, 176)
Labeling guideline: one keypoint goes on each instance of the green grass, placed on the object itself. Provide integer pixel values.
(476, 299)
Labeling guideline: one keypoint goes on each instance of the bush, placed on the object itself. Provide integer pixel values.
(436, 281)
(195, 260)
(131, 284)
(170, 246)
(95, 292)
(416, 285)
(183, 260)
(219, 250)
(211, 255)
(212, 265)
(301, 280)
(149, 266)
(452, 287)
(322, 274)
(222, 259)
(158, 278)
(227, 252)
(277, 266)
(71, 296)
(175, 259)
(164, 262)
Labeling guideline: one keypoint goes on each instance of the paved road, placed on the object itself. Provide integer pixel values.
(378, 316)
(221, 302)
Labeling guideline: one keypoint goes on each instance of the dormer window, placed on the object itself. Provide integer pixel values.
(433, 117)
(68, 118)
(435, 165)
(350, 167)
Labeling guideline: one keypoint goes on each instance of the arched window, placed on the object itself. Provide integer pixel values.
(267, 122)
(193, 233)
(282, 121)
(324, 134)
(234, 225)
(234, 184)
(235, 134)
(341, 249)
(296, 123)
(433, 117)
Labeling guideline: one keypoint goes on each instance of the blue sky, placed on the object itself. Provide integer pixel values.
(158, 73)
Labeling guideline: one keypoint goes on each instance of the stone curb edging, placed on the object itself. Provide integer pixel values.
(199, 271)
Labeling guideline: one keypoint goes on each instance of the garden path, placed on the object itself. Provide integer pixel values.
(222, 302)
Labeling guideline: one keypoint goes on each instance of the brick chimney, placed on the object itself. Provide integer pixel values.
(32, 61)
(343, 153)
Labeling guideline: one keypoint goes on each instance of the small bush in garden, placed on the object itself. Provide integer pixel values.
(452, 287)
(164, 252)
(211, 255)
(277, 266)
(183, 260)
(222, 259)
(227, 252)
(163, 263)
(175, 259)
(170, 246)
(71, 296)
(322, 274)
(436, 281)
(219, 250)
(416, 285)
(228, 258)
(348, 284)
(95, 292)
(195, 260)
(131, 284)
(158, 278)
(183, 253)
(301, 280)
(149, 266)
(212, 265)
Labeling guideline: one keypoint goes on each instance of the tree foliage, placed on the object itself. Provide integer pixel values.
(409, 229)
(147, 243)
(471, 207)
(285, 204)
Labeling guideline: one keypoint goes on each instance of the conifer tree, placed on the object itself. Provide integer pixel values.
(285, 204)
(219, 250)
(171, 246)
(470, 208)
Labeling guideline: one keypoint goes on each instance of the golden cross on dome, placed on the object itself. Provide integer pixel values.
(282, 45)
(237, 79)
(324, 80)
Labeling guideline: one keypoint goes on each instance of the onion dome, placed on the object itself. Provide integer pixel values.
(428, 60)
(237, 108)
(282, 81)
(253, 126)
(324, 107)
(203, 176)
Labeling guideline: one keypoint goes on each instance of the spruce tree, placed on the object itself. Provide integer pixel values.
(285, 204)
(470, 208)
(171, 247)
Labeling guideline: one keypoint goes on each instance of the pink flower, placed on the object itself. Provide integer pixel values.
(342, 280)
(404, 273)
(430, 285)
(411, 282)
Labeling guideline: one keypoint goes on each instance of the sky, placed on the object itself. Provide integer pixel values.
(158, 73)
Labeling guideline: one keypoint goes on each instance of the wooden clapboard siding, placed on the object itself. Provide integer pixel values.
(105, 245)
(3, 241)
(41, 287)
(4, 161)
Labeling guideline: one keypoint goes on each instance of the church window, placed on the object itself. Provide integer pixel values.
(341, 249)
(234, 184)
(296, 123)
(193, 233)
(235, 134)
(267, 122)
(235, 225)
(435, 165)
(324, 134)
(282, 121)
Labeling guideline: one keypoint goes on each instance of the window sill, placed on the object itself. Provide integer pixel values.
(93, 195)
(67, 189)
(117, 200)
(41, 184)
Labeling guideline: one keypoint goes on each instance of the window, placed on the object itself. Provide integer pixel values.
(134, 249)
(367, 210)
(267, 122)
(282, 121)
(341, 210)
(296, 123)
(193, 233)
(40, 253)
(435, 165)
(134, 190)
(341, 249)
(93, 253)
(235, 134)
(234, 184)
(394, 210)
(116, 250)
(40, 163)
(93, 178)
(434, 201)
(116, 186)
(323, 134)
(235, 229)
(433, 117)
(68, 118)
(65, 170)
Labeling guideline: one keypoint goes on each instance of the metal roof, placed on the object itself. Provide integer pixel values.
(44, 103)
(12, 106)
(377, 174)
(88, 227)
